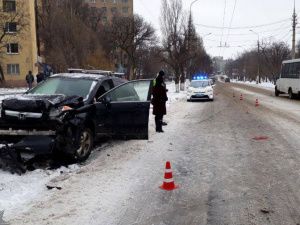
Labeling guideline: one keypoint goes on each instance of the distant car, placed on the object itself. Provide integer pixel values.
(200, 89)
(227, 79)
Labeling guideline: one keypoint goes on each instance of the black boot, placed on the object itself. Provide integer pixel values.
(156, 124)
(160, 127)
(164, 123)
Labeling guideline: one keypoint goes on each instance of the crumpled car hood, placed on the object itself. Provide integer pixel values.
(38, 103)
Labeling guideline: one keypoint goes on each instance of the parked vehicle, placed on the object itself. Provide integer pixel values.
(200, 89)
(68, 112)
(289, 82)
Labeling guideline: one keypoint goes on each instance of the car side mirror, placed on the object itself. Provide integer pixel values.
(105, 100)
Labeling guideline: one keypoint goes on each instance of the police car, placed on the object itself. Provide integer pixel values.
(200, 88)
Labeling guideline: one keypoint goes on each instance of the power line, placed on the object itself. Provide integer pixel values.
(148, 11)
(263, 25)
(230, 25)
(246, 34)
(223, 25)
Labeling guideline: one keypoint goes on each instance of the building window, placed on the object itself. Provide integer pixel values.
(104, 19)
(124, 1)
(10, 27)
(113, 1)
(125, 10)
(93, 1)
(13, 69)
(103, 1)
(12, 48)
(9, 5)
(104, 9)
(114, 9)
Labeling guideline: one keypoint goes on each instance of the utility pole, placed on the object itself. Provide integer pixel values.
(294, 32)
(258, 57)
(189, 35)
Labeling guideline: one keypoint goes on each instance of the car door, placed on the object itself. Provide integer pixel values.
(123, 112)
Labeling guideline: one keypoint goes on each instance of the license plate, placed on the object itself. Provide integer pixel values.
(199, 95)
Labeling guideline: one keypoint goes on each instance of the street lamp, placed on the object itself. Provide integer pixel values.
(189, 33)
(205, 35)
(191, 6)
(243, 48)
(258, 56)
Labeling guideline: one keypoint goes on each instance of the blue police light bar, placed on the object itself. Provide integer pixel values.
(199, 77)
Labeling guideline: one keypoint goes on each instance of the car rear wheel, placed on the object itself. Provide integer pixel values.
(85, 141)
(291, 95)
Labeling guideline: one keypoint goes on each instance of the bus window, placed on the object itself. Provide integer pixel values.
(285, 71)
(297, 69)
(291, 68)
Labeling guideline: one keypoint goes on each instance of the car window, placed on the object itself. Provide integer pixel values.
(197, 84)
(66, 86)
(133, 91)
(107, 84)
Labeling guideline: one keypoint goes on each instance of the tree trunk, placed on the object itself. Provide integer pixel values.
(177, 74)
(182, 79)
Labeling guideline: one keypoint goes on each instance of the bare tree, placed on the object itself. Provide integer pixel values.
(273, 55)
(174, 49)
(182, 48)
(130, 34)
(69, 35)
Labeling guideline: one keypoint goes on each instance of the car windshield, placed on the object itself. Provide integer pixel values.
(65, 86)
(197, 84)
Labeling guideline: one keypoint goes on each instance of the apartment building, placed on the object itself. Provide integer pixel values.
(112, 7)
(19, 52)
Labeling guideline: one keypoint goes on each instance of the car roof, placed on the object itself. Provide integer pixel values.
(83, 76)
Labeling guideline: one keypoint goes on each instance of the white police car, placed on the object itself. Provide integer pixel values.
(200, 88)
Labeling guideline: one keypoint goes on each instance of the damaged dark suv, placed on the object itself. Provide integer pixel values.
(69, 112)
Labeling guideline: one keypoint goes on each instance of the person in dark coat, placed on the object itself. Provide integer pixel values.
(159, 99)
(39, 77)
(29, 79)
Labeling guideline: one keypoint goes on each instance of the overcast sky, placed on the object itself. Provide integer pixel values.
(229, 21)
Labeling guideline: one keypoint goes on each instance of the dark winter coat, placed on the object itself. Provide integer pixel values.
(159, 99)
(29, 78)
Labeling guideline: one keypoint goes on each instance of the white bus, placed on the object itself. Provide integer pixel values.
(289, 80)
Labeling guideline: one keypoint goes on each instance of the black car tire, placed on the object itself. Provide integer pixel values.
(277, 92)
(291, 95)
(85, 142)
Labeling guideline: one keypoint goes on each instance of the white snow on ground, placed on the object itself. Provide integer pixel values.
(16, 192)
(264, 85)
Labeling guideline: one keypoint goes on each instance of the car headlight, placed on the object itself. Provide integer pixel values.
(57, 111)
(190, 90)
(209, 90)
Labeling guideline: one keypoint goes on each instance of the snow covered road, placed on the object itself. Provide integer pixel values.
(224, 175)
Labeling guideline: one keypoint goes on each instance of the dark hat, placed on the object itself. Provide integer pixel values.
(161, 73)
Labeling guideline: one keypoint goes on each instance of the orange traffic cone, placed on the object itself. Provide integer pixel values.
(241, 98)
(216, 93)
(169, 182)
(256, 103)
(233, 95)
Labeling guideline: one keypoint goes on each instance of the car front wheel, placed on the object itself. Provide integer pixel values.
(85, 141)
